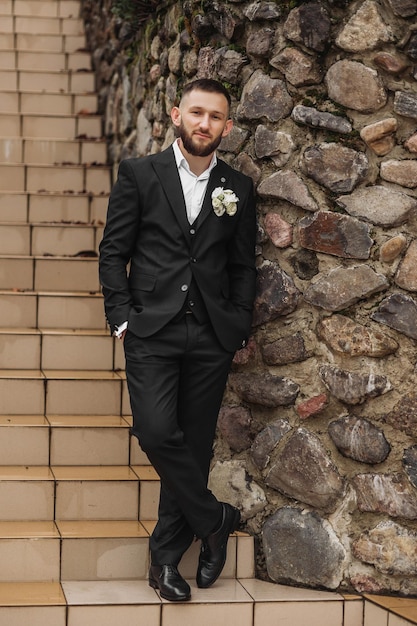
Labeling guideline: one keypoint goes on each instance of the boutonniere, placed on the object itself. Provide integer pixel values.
(224, 201)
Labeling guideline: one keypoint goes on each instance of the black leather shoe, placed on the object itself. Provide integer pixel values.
(214, 548)
(170, 583)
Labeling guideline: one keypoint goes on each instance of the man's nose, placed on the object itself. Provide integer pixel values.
(205, 121)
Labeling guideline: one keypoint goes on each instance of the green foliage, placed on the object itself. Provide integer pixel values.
(136, 12)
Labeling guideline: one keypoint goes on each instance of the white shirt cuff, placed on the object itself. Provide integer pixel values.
(119, 330)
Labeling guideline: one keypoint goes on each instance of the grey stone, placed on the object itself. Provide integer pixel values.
(406, 276)
(267, 440)
(379, 205)
(245, 164)
(353, 387)
(337, 167)
(348, 337)
(144, 134)
(234, 140)
(264, 389)
(358, 439)
(405, 103)
(410, 464)
(275, 144)
(264, 97)
(302, 469)
(301, 547)
(289, 349)
(412, 47)
(404, 415)
(259, 42)
(262, 11)
(305, 264)
(287, 185)
(398, 311)
(276, 294)
(355, 86)
(365, 30)
(391, 494)
(229, 64)
(230, 482)
(235, 425)
(332, 233)
(342, 287)
(308, 24)
(320, 119)
(389, 547)
(298, 68)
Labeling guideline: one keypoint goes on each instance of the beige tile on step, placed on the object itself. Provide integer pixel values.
(98, 180)
(8, 60)
(33, 559)
(374, 615)
(7, 41)
(74, 42)
(96, 493)
(82, 82)
(149, 489)
(8, 80)
(12, 177)
(18, 310)
(82, 392)
(69, 8)
(53, 274)
(16, 273)
(89, 126)
(223, 604)
(396, 620)
(33, 615)
(33, 60)
(51, 151)
(15, 238)
(29, 41)
(49, 207)
(37, 8)
(98, 209)
(7, 24)
(55, 178)
(57, 240)
(13, 207)
(91, 529)
(71, 311)
(81, 442)
(85, 103)
(10, 126)
(26, 493)
(105, 558)
(128, 615)
(77, 61)
(11, 150)
(20, 349)
(54, 127)
(245, 555)
(6, 7)
(353, 611)
(43, 81)
(40, 25)
(31, 594)
(45, 103)
(22, 392)
(9, 100)
(24, 440)
(93, 152)
(72, 26)
(137, 455)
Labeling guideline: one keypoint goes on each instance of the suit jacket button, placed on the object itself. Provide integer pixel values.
(184, 287)
(192, 231)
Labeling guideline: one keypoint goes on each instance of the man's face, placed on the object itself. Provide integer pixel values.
(202, 120)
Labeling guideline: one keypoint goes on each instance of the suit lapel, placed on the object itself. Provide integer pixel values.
(218, 178)
(167, 172)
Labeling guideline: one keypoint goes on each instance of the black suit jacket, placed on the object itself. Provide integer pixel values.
(147, 231)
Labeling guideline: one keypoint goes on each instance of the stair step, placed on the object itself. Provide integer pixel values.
(38, 126)
(42, 25)
(47, 103)
(46, 43)
(49, 239)
(72, 82)
(56, 178)
(26, 494)
(24, 440)
(52, 151)
(71, 311)
(53, 207)
(22, 60)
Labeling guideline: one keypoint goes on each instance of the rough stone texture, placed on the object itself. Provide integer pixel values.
(365, 30)
(340, 235)
(300, 547)
(338, 168)
(390, 548)
(406, 276)
(353, 387)
(302, 469)
(235, 424)
(230, 482)
(289, 349)
(290, 187)
(341, 287)
(276, 294)
(320, 119)
(346, 336)
(302, 75)
(264, 97)
(355, 86)
(400, 172)
(379, 205)
(398, 311)
(386, 493)
(359, 439)
(267, 440)
(264, 389)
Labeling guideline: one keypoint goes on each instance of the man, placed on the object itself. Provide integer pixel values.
(184, 222)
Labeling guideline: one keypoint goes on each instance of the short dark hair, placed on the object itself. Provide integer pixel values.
(207, 84)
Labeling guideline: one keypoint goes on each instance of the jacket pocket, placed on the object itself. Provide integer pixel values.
(144, 282)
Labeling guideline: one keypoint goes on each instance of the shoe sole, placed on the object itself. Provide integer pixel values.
(153, 583)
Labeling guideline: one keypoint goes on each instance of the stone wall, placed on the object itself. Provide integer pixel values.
(317, 435)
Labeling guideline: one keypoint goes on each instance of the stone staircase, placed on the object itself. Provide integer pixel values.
(78, 498)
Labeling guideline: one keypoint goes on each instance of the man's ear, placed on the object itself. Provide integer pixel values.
(176, 116)
(227, 128)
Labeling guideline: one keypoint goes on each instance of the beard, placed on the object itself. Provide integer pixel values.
(193, 148)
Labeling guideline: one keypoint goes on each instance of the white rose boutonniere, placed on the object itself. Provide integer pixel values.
(224, 201)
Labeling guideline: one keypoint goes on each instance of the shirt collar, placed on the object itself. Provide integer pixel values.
(181, 161)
